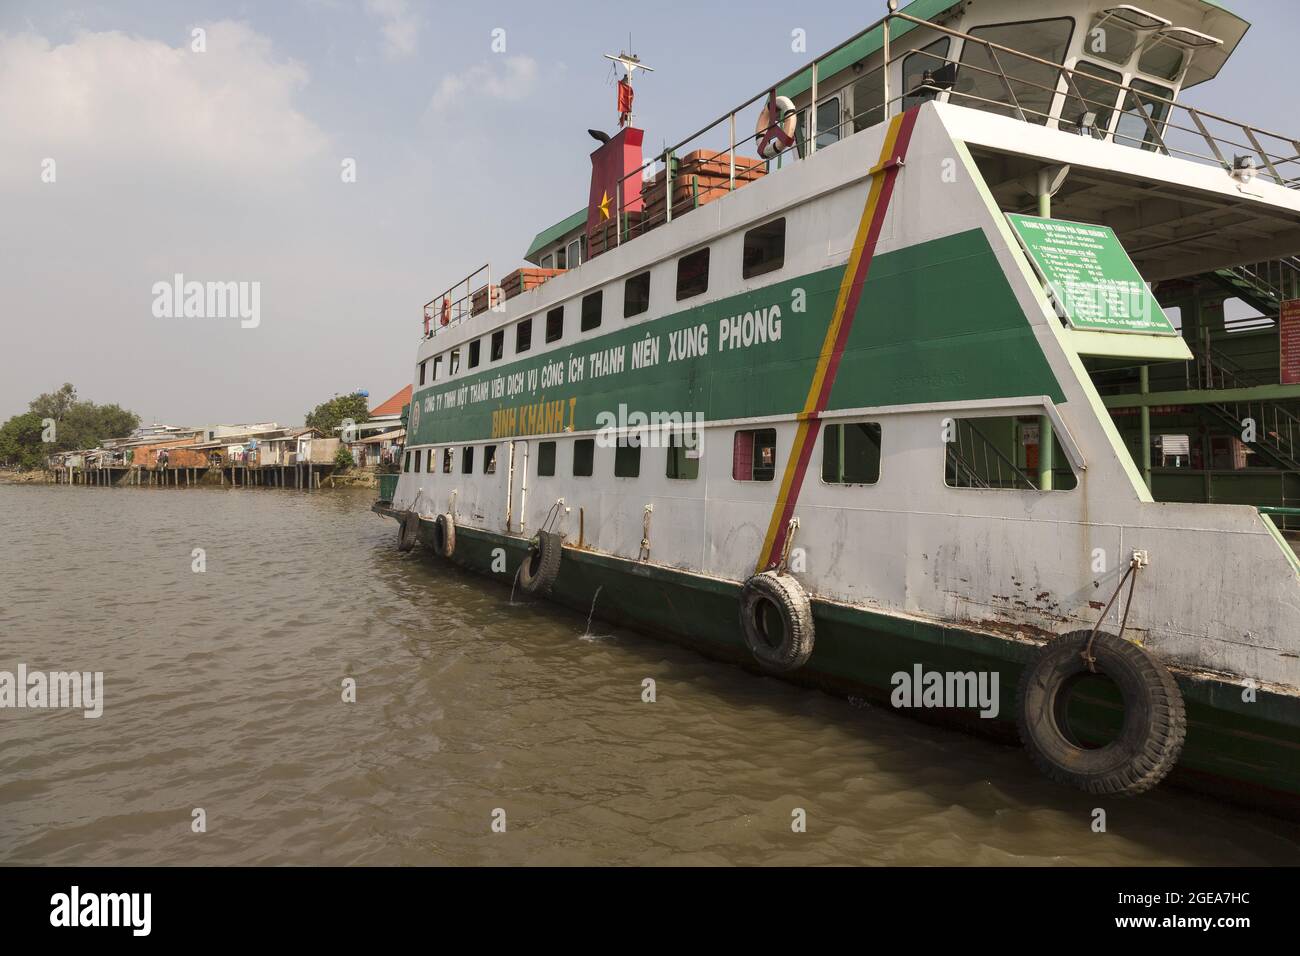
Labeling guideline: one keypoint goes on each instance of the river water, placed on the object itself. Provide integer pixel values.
(223, 692)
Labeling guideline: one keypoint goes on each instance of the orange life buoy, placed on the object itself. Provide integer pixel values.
(446, 310)
(776, 125)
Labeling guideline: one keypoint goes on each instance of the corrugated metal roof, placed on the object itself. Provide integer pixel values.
(549, 235)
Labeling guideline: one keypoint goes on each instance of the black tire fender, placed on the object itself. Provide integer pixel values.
(408, 531)
(541, 566)
(444, 535)
(766, 600)
(1155, 722)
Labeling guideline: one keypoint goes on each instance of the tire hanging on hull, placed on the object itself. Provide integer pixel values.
(444, 535)
(541, 566)
(776, 619)
(408, 532)
(1155, 722)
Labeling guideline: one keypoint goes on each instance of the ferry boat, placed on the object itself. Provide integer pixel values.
(836, 399)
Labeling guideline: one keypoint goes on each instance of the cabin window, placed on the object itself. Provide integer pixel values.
(422, 364)
(432, 466)
(489, 459)
(682, 464)
(828, 123)
(559, 258)
(851, 453)
(406, 464)
(693, 274)
(868, 97)
(447, 457)
(753, 455)
(548, 262)
(1139, 106)
(467, 460)
(437, 368)
(627, 458)
(980, 84)
(1001, 453)
(636, 295)
(928, 59)
(498, 345)
(453, 362)
(1162, 59)
(419, 456)
(523, 336)
(764, 249)
(591, 308)
(545, 459)
(584, 457)
(555, 324)
(1099, 98)
(574, 254)
(474, 350)
(1110, 40)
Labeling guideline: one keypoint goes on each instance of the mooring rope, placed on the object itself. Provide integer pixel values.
(1133, 566)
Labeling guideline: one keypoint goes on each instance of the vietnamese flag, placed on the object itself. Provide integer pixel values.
(619, 159)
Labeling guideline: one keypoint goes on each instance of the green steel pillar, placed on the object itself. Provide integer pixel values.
(1045, 438)
(1144, 387)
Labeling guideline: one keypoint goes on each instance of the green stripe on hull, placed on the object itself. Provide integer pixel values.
(1249, 752)
(938, 323)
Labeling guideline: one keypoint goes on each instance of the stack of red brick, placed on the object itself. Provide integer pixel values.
(521, 280)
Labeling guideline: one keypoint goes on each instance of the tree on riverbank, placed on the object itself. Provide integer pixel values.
(26, 441)
(329, 415)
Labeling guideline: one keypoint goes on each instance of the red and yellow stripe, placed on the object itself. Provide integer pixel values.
(883, 177)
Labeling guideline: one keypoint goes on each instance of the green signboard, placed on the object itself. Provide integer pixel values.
(1090, 277)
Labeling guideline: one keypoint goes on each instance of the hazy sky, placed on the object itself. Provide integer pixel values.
(226, 165)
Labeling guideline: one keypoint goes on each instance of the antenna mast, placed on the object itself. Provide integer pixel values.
(631, 63)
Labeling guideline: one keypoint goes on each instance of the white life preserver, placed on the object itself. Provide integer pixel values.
(771, 146)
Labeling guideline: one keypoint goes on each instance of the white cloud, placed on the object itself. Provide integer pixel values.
(108, 98)
(399, 24)
(501, 78)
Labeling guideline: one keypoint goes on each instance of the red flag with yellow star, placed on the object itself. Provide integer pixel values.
(615, 180)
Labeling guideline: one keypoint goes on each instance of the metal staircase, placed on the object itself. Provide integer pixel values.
(1263, 285)
(1277, 429)
(975, 462)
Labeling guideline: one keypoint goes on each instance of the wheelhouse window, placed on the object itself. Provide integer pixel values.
(560, 262)
(1002, 453)
(693, 274)
(1110, 40)
(764, 249)
(980, 81)
(422, 364)
(447, 458)
(489, 459)
(548, 262)
(1162, 59)
(753, 455)
(498, 347)
(467, 460)
(851, 453)
(924, 73)
(868, 96)
(636, 295)
(1144, 116)
(453, 362)
(523, 336)
(584, 457)
(475, 348)
(555, 324)
(591, 309)
(683, 462)
(627, 458)
(574, 253)
(828, 123)
(437, 368)
(545, 459)
(1097, 109)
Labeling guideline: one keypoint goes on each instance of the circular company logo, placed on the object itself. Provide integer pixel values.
(415, 419)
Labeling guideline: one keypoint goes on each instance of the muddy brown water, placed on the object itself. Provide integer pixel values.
(223, 691)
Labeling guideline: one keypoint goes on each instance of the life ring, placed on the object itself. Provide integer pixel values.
(1155, 722)
(446, 311)
(776, 619)
(444, 534)
(409, 531)
(773, 139)
(541, 566)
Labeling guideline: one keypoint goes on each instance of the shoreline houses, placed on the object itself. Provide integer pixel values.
(262, 453)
